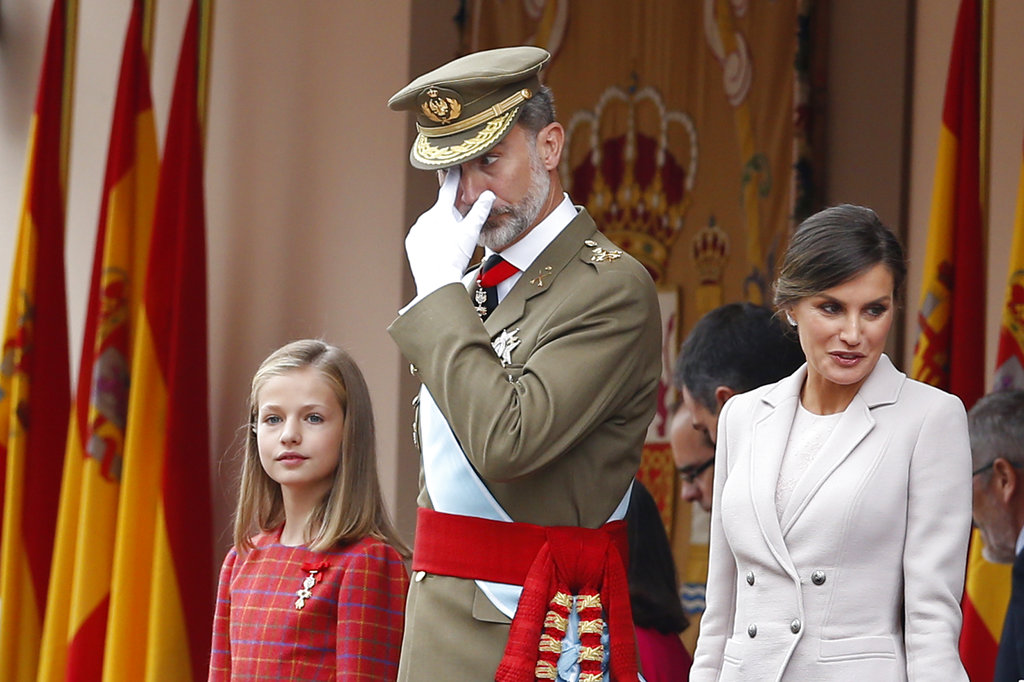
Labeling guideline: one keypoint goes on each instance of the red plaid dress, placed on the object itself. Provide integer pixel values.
(350, 628)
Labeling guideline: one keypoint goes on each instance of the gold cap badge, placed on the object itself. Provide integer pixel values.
(441, 106)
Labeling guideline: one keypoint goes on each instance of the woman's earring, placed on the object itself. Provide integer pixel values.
(789, 318)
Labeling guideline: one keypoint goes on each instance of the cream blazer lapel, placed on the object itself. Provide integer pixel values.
(771, 434)
(882, 387)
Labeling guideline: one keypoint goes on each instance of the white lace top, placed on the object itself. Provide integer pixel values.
(806, 437)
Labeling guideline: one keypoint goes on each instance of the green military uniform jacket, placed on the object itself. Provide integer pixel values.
(556, 435)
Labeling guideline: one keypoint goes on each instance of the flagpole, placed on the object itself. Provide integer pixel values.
(70, 36)
(985, 124)
(148, 15)
(205, 40)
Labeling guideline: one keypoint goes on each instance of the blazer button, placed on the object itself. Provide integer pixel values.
(818, 577)
(419, 575)
(795, 625)
(750, 580)
(752, 630)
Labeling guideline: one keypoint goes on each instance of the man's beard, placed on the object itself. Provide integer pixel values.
(504, 225)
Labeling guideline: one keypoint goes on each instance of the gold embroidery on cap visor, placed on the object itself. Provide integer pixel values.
(489, 135)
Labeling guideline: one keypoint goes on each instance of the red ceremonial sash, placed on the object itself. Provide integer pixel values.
(552, 563)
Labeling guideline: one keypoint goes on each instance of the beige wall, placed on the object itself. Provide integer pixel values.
(309, 193)
(867, 110)
(305, 189)
(865, 104)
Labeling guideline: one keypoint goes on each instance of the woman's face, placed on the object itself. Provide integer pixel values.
(843, 330)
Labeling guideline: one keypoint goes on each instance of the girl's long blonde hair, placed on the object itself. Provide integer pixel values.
(354, 506)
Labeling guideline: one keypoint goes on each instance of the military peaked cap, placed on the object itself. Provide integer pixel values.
(468, 105)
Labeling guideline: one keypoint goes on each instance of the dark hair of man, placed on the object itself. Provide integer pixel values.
(739, 345)
(653, 591)
(832, 247)
(996, 425)
(538, 111)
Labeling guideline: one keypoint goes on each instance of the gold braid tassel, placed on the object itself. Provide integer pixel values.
(588, 605)
(555, 623)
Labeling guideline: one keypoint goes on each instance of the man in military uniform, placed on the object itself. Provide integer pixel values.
(539, 373)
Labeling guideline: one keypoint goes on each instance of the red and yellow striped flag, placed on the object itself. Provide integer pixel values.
(950, 351)
(35, 394)
(161, 607)
(79, 592)
(988, 584)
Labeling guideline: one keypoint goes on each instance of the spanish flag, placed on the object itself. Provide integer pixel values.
(988, 585)
(161, 606)
(950, 350)
(35, 394)
(79, 592)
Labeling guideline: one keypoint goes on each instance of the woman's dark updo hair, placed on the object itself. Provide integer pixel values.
(832, 247)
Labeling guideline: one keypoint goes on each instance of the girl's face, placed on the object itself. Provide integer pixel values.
(843, 330)
(298, 432)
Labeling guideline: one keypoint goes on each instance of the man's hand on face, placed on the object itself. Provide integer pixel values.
(442, 241)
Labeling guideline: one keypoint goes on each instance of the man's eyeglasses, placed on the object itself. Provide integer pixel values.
(983, 469)
(691, 472)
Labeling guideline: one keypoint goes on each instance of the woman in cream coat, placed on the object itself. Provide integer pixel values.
(842, 498)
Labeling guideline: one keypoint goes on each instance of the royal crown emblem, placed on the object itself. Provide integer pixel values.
(441, 106)
(633, 163)
(710, 250)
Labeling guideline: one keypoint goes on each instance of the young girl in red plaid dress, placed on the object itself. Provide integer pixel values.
(314, 587)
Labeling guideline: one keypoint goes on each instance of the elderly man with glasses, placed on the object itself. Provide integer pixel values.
(996, 424)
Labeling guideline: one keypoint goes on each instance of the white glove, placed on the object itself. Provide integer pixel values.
(441, 242)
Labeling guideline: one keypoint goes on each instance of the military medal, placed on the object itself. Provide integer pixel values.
(504, 344)
(480, 297)
(310, 581)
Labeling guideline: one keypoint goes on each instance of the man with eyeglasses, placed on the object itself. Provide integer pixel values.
(694, 456)
(996, 424)
(732, 349)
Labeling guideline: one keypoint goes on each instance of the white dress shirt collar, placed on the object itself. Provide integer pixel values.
(528, 249)
(1020, 541)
